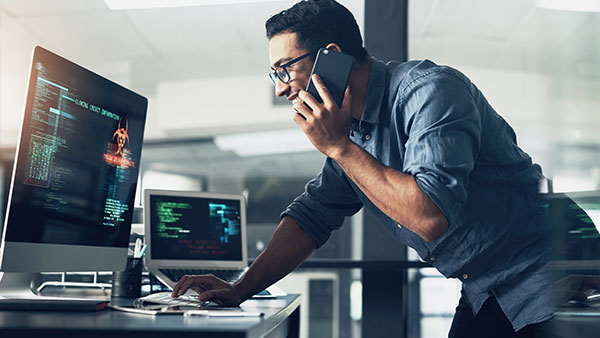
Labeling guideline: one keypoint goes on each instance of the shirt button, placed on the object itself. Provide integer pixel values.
(465, 276)
(431, 259)
(399, 226)
(367, 137)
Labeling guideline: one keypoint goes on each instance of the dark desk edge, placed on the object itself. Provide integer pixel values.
(362, 264)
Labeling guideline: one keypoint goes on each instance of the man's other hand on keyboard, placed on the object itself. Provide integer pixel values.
(209, 288)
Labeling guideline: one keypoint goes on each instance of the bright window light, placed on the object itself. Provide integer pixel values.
(265, 143)
(572, 183)
(356, 300)
(159, 180)
(570, 5)
(144, 4)
(595, 216)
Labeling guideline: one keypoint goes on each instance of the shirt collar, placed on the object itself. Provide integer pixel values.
(375, 92)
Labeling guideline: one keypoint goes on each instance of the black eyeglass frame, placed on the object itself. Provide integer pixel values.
(282, 69)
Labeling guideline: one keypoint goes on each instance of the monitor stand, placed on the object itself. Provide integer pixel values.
(64, 283)
(16, 294)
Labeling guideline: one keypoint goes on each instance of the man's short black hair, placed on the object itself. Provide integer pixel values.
(318, 23)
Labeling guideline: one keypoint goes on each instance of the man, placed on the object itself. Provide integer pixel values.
(419, 146)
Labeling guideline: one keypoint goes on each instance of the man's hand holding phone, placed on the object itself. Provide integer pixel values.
(325, 124)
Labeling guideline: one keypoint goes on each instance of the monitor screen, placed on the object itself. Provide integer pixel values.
(195, 228)
(574, 220)
(78, 158)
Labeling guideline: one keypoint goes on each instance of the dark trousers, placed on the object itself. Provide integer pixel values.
(490, 322)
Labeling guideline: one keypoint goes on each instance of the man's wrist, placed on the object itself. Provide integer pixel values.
(341, 150)
(241, 287)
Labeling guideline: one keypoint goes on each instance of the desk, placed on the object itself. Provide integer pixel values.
(282, 319)
(567, 325)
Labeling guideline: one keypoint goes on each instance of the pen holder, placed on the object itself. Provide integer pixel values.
(128, 283)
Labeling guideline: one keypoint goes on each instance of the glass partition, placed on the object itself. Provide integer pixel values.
(538, 67)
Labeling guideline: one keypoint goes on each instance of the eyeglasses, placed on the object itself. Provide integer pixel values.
(281, 72)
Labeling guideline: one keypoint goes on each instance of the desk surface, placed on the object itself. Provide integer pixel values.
(281, 320)
(569, 323)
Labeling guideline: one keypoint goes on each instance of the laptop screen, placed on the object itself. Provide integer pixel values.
(195, 228)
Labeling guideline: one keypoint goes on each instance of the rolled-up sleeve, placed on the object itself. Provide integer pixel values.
(327, 199)
(444, 131)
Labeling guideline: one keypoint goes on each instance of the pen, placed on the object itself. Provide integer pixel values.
(143, 251)
(138, 246)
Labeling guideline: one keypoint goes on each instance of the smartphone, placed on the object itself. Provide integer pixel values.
(334, 69)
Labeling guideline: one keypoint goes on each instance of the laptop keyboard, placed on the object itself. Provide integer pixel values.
(226, 275)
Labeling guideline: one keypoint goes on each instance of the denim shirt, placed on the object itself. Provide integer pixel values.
(431, 122)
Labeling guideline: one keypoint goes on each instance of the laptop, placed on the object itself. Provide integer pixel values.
(193, 233)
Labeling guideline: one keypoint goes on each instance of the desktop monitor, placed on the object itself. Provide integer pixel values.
(574, 220)
(73, 185)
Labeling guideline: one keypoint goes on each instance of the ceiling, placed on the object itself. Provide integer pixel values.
(511, 34)
(141, 48)
(153, 45)
(148, 45)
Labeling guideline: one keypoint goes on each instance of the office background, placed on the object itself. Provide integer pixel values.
(215, 125)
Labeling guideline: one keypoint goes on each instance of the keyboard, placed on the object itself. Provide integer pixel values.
(226, 275)
(164, 298)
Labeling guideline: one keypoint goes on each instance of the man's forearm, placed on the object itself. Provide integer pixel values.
(395, 193)
(289, 246)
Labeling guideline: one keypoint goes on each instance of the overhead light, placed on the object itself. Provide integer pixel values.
(570, 5)
(265, 143)
(145, 4)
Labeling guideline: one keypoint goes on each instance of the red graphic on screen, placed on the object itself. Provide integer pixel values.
(122, 136)
(118, 155)
(203, 247)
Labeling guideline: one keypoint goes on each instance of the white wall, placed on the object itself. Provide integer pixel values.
(210, 106)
